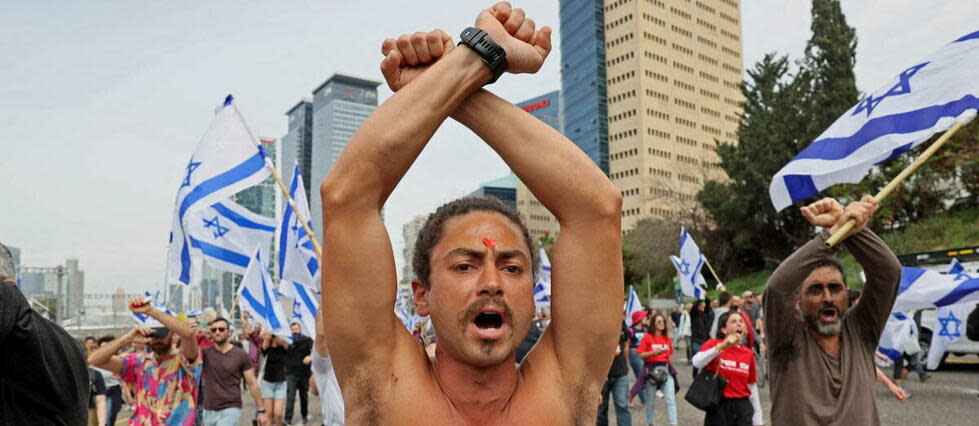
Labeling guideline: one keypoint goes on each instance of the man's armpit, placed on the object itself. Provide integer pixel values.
(360, 392)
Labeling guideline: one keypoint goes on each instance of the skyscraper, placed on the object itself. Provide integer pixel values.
(583, 79)
(297, 144)
(503, 189)
(261, 198)
(410, 232)
(75, 288)
(674, 69)
(340, 106)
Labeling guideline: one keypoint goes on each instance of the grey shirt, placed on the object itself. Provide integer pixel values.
(809, 387)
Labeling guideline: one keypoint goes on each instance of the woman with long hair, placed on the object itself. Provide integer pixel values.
(658, 374)
(735, 362)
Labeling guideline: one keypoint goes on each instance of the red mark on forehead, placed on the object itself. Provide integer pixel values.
(489, 242)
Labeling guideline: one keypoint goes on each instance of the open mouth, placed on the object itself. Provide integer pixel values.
(488, 321)
(489, 324)
(829, 314)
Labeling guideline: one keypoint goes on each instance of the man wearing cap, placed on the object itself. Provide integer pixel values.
(164, 382)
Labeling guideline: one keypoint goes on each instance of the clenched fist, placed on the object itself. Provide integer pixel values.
(828, 213)
(408, 56)
(526, 47)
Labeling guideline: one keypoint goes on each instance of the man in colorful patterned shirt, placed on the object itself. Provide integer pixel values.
(165, 382)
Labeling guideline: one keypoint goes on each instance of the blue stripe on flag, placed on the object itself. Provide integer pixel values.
(301, 291)
(683, 238)
(240, 220)
(220, 253)
(891, 353)
(800, 186)
(971, 36)
(905, 122)
(962, 290)
(184, 258)
(247, 168)
(908, 277)
(900, 316)
(267, 311)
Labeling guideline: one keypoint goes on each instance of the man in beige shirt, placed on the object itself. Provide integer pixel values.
(821, 350)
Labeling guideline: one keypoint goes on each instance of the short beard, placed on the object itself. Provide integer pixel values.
(832, 329)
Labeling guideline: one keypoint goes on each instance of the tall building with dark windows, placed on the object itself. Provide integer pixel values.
(583, 79)
(297, 144)
(340, 106)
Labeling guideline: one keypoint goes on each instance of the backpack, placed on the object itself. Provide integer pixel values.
(972, 325)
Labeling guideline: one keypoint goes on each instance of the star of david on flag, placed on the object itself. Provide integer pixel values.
(227, 160)
(922, 100)
(225, 233)
(297, 256)
(688, 264)
(305, 305)
(950, 319)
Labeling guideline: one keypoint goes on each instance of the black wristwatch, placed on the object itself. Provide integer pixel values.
(491, 53)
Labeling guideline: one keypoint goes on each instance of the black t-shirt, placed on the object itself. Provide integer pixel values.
(44, 379)
(96, 386)
(300, 348)
(620, 365)
(275, 364)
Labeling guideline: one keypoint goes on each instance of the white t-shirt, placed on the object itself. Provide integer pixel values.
(331, 401)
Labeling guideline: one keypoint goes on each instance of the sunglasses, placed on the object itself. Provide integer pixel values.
(216, 329)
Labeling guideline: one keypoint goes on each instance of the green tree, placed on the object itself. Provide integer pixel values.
(770, 134)
(830, 55)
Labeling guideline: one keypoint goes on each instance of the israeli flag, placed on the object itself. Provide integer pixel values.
(258, 297)
(689, 265)
(896, 332)
(144, 320)
(542, 288)
(951, 320)
(926, 98)
(226, 232)
(305, 305)
(402, 312)
(923, 289)
(227, 160)
(297, 256)
(632, 305)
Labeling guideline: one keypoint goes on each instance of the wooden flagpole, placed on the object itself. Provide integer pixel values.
(838, 235)
(719, 282)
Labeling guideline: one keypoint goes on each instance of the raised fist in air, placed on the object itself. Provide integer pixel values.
(526, 47)
(828, 213)
(408, 56)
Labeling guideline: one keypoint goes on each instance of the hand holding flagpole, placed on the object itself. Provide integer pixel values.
(848, 226)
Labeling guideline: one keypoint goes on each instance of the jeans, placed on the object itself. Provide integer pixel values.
(689, 348)
(669, 397)
(113, 403)
(695, 347)
(297, 383)
(225, 417)
(618, 387)
(637, 364)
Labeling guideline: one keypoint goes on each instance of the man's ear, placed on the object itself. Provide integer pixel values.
(421, 297)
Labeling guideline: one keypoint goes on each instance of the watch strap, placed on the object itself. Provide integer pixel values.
(491, 53)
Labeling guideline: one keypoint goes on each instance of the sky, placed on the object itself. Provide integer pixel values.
(102, 103)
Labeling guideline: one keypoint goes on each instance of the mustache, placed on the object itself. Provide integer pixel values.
(473, 309)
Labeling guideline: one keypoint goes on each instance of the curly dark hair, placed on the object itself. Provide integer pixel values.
(431, 231)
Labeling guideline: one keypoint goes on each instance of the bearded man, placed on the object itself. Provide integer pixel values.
(821, 351)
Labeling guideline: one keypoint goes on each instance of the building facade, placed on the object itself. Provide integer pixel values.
(340, 106)
(583, 78)
(674, 70)
(297, 144)
(540, 222)
(503, 189)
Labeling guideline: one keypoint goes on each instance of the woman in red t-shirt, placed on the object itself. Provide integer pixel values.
(655, 348)
(740, 405)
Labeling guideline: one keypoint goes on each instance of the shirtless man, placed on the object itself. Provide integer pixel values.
(474, 259)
